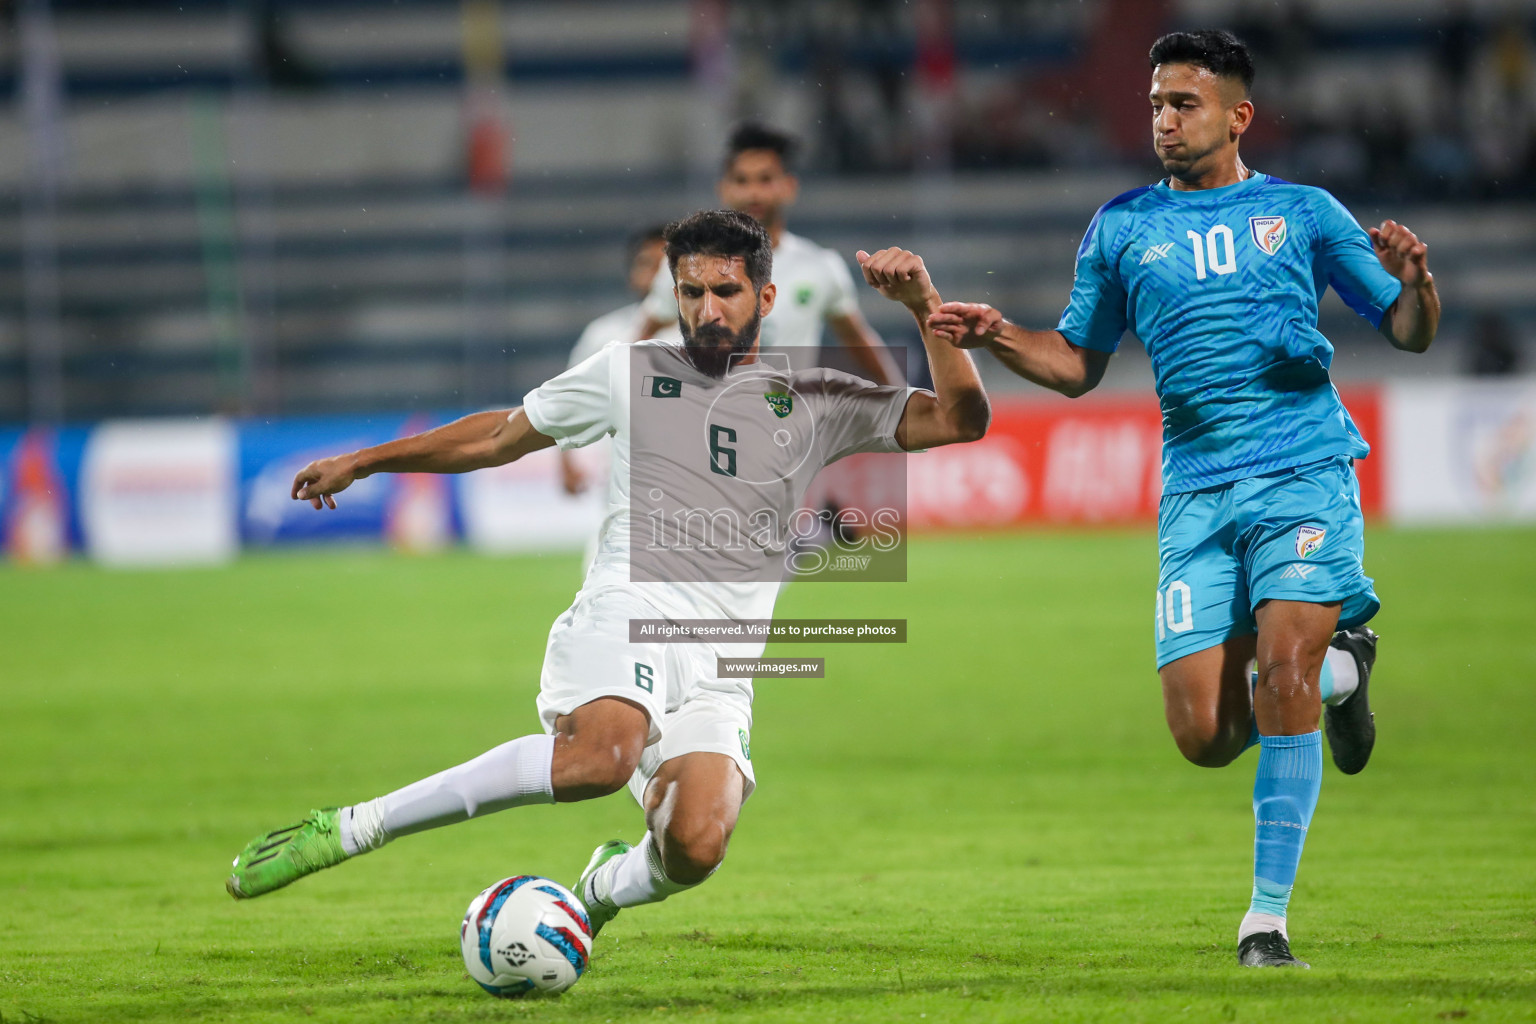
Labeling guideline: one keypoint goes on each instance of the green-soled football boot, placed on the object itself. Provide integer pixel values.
(274, 860)
(599, 910)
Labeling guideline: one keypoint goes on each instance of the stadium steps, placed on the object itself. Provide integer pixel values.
(368, 289)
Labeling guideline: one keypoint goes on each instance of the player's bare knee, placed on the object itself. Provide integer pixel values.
(1283, 679)
(691, 851)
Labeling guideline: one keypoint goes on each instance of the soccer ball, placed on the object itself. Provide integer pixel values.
(526, 934)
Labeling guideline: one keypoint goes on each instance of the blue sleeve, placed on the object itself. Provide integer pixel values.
(1095, 315)
(1351, 264)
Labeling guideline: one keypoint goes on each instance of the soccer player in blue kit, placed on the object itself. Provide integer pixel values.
(1218, 269)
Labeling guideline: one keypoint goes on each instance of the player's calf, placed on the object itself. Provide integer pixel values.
(1208, 704)
(597, 748)
(1213, 745)
(582, 773)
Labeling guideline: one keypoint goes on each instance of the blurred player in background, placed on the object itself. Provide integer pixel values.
(1219, 270)
(655, 716)
(815, 287)
(647, 250)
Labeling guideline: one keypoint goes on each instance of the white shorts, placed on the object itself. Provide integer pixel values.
(691, 709)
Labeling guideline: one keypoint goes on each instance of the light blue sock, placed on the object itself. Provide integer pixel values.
(1285, 792)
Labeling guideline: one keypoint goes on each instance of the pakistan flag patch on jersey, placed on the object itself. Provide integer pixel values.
(781, 403)
(662, 387)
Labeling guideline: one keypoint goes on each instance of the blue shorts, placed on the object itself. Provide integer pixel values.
(1294, 535)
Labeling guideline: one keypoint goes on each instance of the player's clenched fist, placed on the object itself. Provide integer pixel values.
(316, 482)
(1401, 253)
(898, 274)
(966, 324)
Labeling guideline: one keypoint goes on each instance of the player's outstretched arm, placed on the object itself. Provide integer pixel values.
(474, 442)
(1414, 318)
(1046, 358)
(958, 409)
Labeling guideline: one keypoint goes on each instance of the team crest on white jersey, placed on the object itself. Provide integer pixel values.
(1268, 233)
(1155, 252)
(1308, 540)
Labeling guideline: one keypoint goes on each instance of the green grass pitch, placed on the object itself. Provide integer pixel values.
(986, 823)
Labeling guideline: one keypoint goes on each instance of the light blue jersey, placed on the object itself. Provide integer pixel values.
(1222, 287)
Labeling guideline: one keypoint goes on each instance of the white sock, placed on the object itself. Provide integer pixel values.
(511, 775)
(1261, 923)
(1346, 674)
(637, 877)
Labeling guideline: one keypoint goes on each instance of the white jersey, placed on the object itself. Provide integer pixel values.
(709, 471)
(814, 285)
(623, 324)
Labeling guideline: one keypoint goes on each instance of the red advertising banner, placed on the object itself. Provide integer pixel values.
(1086, 462)
(1364, 405)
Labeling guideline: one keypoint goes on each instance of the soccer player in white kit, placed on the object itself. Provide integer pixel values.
(814, 286)
(702, 424)
(647, 251)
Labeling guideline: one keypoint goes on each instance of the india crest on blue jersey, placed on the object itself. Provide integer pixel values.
(1309, 539)
(1268, 233)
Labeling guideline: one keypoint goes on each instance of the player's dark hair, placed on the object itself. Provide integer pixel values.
(1217, 50)
(641, 237)
(722, 233)
(756, 135)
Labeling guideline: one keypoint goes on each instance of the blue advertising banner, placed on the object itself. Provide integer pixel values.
(411, 510)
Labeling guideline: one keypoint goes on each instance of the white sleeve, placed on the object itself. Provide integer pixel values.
(659, 303)
(576, 408)
(842, 299)
(855, 415)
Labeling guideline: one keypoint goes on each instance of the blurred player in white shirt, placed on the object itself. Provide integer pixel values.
(647, 252)
(814, 285)
(706, 426)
